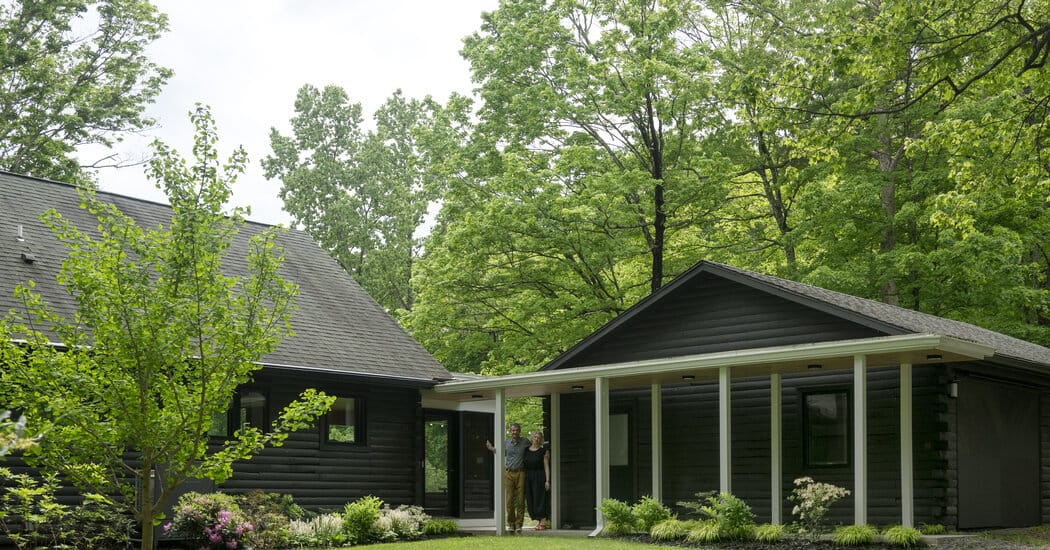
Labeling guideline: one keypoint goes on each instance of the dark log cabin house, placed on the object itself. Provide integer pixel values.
(722, 380)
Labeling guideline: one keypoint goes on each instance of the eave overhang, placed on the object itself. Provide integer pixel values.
(799, 358)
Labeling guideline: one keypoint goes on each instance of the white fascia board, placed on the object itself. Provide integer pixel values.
(798, 352)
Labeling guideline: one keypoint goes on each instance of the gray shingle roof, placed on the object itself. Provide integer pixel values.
(906, 320)
(891, 320)
(338, 327)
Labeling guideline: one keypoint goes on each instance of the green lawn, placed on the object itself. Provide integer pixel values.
(514, 543)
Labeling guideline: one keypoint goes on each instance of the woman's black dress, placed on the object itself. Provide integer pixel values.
(536, 496)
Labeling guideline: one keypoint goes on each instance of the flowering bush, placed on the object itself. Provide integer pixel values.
(322, 531)
(402, 523)
(210, 522)
(812, 501)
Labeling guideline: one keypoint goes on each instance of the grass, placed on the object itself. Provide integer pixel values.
(514, 543)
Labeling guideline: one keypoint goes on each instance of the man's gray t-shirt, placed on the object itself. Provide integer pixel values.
(515, 453)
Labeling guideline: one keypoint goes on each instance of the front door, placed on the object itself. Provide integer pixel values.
(476, 465)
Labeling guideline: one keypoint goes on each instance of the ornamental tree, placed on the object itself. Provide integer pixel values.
(161, 338)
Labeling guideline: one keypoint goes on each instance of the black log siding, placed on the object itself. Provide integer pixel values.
(714, 314)
(690, 453)
(1044, 450)
(327, 476)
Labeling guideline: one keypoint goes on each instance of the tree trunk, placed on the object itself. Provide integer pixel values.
(146, 508)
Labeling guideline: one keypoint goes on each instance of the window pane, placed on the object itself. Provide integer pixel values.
(342, 421)
(253, 410)
(827, 425)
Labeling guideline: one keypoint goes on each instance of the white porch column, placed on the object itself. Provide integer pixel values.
(776, 452)
(601, 449)
(656, 440)
(725, 459)
(555, 461)
(907, 464)
(860, 439)
(500, 462)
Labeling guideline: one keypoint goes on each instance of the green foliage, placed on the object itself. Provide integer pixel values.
(897, 535)
(769, 533)
(704, 532)
(29, 513)
(361, 195)
(619, 518)
(812, 501)
(73, 73)
(213, 521)
(668, 530)
(932, 529)
(854, 535)
(440, 527)
(648, 512)
(204, 331)
(361, 520)
(733, 516)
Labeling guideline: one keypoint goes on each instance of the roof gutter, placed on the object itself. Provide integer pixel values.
(748, 357)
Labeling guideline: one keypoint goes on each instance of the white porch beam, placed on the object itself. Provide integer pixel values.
(860, 439)
(601, 451)
(555, 460)
(776, 451)
(499, 464)
(907, 460)
(725, 459)
(657, 441)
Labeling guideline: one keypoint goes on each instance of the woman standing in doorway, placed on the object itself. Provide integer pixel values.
(538, 479)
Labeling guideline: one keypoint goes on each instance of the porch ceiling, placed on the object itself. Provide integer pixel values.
(916, 349)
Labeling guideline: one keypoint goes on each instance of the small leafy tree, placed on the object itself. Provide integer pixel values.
(812, 500)
(161, 338)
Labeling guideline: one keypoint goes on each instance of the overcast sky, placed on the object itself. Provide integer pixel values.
(247, 58)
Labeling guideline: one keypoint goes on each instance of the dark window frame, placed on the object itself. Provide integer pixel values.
(360, 432)
(233, 413)
(805, 394)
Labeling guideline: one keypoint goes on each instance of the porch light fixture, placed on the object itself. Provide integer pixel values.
(688, 377)
(577, 388)
(813, 366)
(933, 356)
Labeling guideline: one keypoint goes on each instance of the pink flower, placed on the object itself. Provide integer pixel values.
(215, 537)
(167, 527)
(231, 544)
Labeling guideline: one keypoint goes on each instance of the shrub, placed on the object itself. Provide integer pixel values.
(934, 529)
(907, 537)
(667, 530)
(734, 517)
(29, 513)
(269, 514)
(854, 535)
(694, 508)
(648, 512)
(321, 531)
(98, 524)
(440, 527)
(212, 521)
(361, 520)
(768, 533)
(619, 519)
(703, 532)
(812, 501)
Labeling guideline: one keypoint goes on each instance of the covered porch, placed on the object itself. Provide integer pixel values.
(853, 357)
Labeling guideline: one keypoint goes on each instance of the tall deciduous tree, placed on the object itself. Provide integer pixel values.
(361, 194)
(73, 72)
(161, 339)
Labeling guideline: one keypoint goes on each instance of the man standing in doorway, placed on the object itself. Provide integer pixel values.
(514, 476)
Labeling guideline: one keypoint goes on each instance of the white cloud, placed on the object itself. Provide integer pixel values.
(247, 58)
